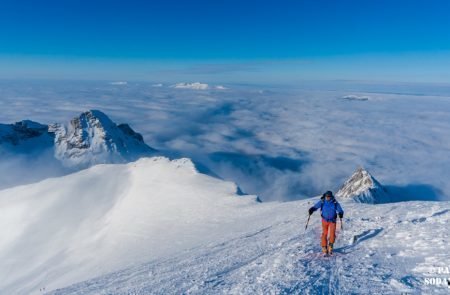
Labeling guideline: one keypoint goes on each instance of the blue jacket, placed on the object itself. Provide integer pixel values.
(329, 209)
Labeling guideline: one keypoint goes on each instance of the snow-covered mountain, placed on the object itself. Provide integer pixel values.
(89, 139)
(362, 187)
(158, 226)
(108, 217)
(92, 138)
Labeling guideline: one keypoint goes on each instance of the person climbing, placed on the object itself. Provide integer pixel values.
(328, 206)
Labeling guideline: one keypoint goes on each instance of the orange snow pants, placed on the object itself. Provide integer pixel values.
(328, 228)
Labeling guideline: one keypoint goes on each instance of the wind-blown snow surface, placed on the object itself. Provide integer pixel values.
(159, 226)
(384, 249)
(108, 217)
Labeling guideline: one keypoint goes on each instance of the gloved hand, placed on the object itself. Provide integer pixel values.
(311, 210)
(341, 215)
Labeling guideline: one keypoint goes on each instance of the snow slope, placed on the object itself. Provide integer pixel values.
(159, 226)
(67, 229)
(383, 249)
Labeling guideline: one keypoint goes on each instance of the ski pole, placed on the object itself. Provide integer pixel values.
(342, 225)
(307, 222)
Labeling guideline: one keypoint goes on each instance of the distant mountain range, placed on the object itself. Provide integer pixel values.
(92, 138)
(89, 139)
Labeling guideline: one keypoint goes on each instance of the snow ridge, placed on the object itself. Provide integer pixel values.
(109, 217)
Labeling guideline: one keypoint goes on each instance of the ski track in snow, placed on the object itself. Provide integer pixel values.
(375, 254)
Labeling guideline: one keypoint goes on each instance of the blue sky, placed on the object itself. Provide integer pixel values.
(253, 39)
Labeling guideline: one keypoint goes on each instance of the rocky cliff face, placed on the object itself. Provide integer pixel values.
(89, 139)
(92, 138)
(362, 187)
(24, 136)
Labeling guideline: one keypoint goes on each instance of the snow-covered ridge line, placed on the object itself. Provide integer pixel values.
(108, 217)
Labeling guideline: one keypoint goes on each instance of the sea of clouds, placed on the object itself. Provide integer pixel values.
(280, 142)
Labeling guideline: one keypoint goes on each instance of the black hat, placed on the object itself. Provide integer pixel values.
(328, 193)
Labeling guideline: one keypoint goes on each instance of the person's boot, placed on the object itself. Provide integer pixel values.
(330, 248)
(324, 250)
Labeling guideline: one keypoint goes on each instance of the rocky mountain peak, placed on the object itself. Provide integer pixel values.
(24, 136)
(93, 138)
(362, 187)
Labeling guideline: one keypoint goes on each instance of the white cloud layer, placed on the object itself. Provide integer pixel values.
(195, 86)
(280, 143)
